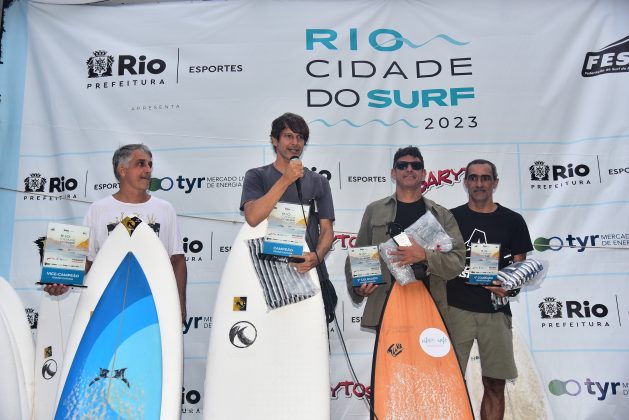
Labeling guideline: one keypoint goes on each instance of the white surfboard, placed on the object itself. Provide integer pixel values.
(55, 318)
(525, 397)
(265, 364)
(16, 356)
(124, 357)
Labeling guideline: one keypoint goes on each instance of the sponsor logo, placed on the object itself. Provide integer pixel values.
(196, 322)
(192, 249)
(350, 389)
(612, 58)
(116, 374)
(240, 303)
(550, 308)
(555, 243)
(49, 369)
(395, 349)
(600, 390)
(573, 313)
(547, 177)
(105, 70)
(37, 183)
(164, 184)
(243, 334)
(190, 184)
(33, 317)
(434, 342)
(581, 243)
(100, 64)
(442, 177)
(47, 352)
(343, 240)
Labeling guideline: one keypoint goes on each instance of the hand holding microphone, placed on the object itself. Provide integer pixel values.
(295, 171)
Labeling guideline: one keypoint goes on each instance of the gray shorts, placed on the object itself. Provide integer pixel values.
(495, 341)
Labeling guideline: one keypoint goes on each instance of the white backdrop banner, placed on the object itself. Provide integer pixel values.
(538, 87)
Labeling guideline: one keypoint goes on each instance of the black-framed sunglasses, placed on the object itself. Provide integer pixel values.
(401, 165)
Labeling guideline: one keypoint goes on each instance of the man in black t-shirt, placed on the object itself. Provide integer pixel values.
(390, 216)
(471, 313)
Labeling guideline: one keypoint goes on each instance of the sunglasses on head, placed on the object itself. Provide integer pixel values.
(401, 165)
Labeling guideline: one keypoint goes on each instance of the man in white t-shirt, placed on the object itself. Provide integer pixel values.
(133, 165)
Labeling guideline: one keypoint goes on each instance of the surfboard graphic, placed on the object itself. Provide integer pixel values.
(124, 354)
(16, 356)
(415, 373)
(525, 397)
(55, 318)
(265, 364)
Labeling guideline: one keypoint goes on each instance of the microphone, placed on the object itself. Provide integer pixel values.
(298, 182)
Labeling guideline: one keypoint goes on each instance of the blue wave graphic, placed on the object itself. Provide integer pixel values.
(411, 44)
(355, 125)
(116, 372)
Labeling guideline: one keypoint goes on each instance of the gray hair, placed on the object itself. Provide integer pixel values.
(122, 156)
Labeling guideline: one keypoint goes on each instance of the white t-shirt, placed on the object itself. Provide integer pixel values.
(105, 214)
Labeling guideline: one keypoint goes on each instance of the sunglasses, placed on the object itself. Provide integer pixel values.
(401, 165)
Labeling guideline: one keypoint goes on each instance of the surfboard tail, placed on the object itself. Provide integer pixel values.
(416, 373)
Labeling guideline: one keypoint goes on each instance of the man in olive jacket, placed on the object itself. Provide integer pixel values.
(391, 215)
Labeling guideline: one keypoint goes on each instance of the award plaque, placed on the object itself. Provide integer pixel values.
(365, 263)
(484, 260)
(65, 253)
(286, 230)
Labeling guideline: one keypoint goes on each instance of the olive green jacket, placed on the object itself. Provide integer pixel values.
(441, 267)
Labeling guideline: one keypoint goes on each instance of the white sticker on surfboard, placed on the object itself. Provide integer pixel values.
(16, 356)
(125, 350)
(279, 355)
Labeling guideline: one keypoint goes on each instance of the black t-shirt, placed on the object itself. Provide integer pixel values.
(504, 227)
(408, 213)
(405, 215)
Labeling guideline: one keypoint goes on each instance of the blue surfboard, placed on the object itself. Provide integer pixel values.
(112, 375)
(126, 340)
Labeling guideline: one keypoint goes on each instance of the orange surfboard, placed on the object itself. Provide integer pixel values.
(415, 372)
